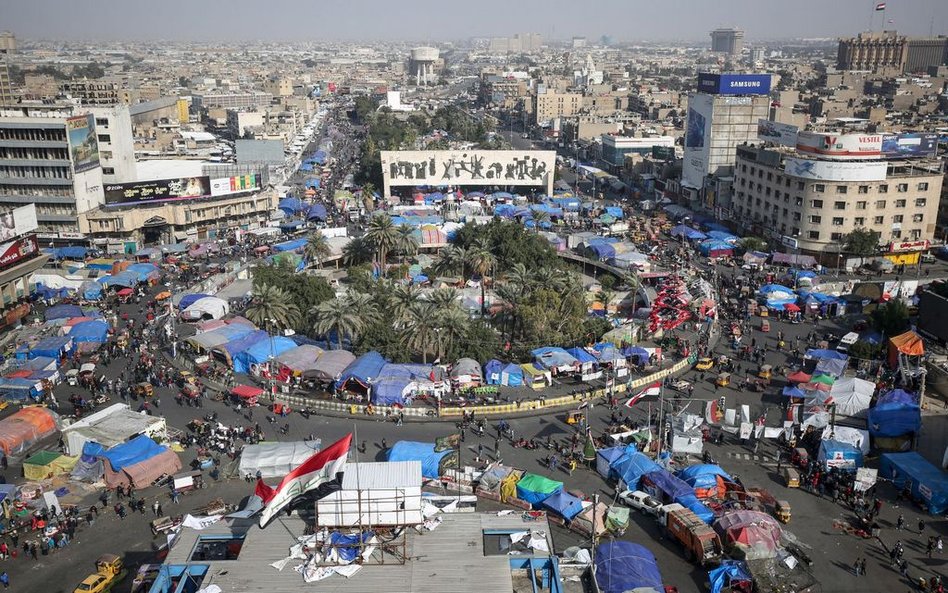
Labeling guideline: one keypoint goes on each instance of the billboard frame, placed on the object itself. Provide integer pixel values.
(161, 190)
(83, 142)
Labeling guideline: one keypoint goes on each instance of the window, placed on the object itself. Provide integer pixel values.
(837, 221)
(105, 138)
(816, 203)
(819, 188)
(900, 203)
(800, 186)
(815, 235)
(859, 221)
(841, 189)
(799, 201)
(815, 219)
(877, 220)
(920, 202)
(106, 154)
(896, 234)
(862, 205)
(108, 170)
(836, 236)
(770, 176)
(839, 205)
(918, 217)
(101, 121)
(753, 170)
(864, 189)
(883, 189)
(797, 217)
(916, 233)
(898, 218)
(923, 186)
(880, 204)
(901, 188)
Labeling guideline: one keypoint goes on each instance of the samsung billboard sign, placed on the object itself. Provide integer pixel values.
(733, 84)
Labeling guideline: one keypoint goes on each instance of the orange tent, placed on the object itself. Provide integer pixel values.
(909, 343)
(24, 428)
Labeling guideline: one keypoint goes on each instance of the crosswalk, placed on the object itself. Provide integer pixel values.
(765, 460)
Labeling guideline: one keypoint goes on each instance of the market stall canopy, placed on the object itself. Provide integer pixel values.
(330, 366)
(211, 307)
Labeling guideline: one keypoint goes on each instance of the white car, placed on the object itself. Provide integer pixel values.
(640, 501)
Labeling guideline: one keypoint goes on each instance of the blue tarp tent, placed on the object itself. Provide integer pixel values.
(51, 347)
(91, 291)
(17, 388)
(840, 455)
(582, 356)
(293, 245)
(143, 270)
(260, 352)
(623, 566)
(563, 504)
(722, 236)
(926, 481)
(124, 279)
(715, 248)
(614, 211)
(362, 370)
(316, 212)
(729, 571)
(63, 312)
(238, 345)
(703, 475)
(291, 205)
(390, 391)
(346, 546)
(189, 299)
(687, 232)
(606, 457)
(666, 485)
(423, 452)
(512, 375)
(71, 252)
(551, 357)
(43, 292)
(894, 419)
(140, 448)
(691, 502)
(831, 366)
(819, 354)
(793, 392)
(492, 371)
(534, 488)
(96, 331)
(631, 467)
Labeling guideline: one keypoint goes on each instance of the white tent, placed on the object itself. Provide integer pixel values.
(845, 434)
(275, 460)
(112, 426)
(852, 396)
(212, 307)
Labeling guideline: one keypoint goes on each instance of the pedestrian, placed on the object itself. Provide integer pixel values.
(921, 526)
(903, 568)
(174, 496)
(5, 579)
(929, 548)
(156, 508)
(384, 444)
(480, 451)
(900, 523)
(497, 448)
(862, 567)
(856, 566)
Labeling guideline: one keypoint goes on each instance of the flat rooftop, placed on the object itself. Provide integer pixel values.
(449, 559)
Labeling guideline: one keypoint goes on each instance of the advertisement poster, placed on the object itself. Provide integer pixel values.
(161, 190)
(467, 167)
(695, 133)
(835, 171)
(840, 146)
(776, 132)
(904, 146)
(16, 251)
(83, 145)
(733, 84)
(17, 222)
(234, 185)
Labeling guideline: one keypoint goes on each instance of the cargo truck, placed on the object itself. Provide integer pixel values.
(701, 544)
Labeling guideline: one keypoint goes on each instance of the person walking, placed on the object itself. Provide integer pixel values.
(856, 566)
(497, 448)
(921, 526)
(900, 522)
(862, 567)
(480, 451)
(929, 548)
(5, 579)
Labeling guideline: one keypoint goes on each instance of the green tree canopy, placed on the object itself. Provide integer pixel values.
(891, 319)
(862, 242)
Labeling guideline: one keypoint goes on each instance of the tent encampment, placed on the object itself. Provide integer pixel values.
(206, 308)
(706, 479)
(840, 455)
(330, 366)
(358, 376)
(563, 504)
(432, 462)
(260, 352)
(630, 468)
(895, 414)
(25, 428)
(534, 489)
(623, 566)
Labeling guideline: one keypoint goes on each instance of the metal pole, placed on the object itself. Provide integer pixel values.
(592, 533)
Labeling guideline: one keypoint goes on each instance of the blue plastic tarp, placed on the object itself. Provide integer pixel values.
(839, 454)
(390, 391)
(686, 231)
(316, 212)
(346, 546)
(293, 245)
(96, 331)
(821, 354)
(362, 370)
(691, 502)
(551, 356)
(831, 366)
(623, 566)
(143, 270)
(703, 475)
(124, 279)
(260, 352)
(51, 346)
(189, 299)
(581, 355)
(91, 291)
(895, 414)
(614, 211)
(793, 392)
(63, 312)
(492, 371)
(631, 467)
(606, 457)
(563, 504)
(722, 236)
(140, 448)
(512, 375)
(668, 485)
(71, 252)
(291, 205)
(727, 572)
(238, 345)
(18, 388)
(423, 452)
(926, 481)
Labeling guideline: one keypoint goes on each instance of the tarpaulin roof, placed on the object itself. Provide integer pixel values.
(728, 572)
(926, 481)
(331, 365)
(290, 205)
(668, 483)
(363, 369)
(830, 354)
(549, 357)
(831, 366)
(50, 346)
(632, 466)
(687, 232)
(134, 451)
(222, 335)
(275, 460)
(852, 395)
(63, 312)
(722, 236)
(211, 306)
(750, 534)
(535, 489)
(466, 366)
(390, 391)
(691, 502)
(564, 504)
(702, 475)
(260, 352)
(839, 454)
(317, 212)
(143, 271)
(581, 355)
(423, 452)
(96, 331)
(894, 418)
(189, 299)
(299, 359)
(293, 245)
(623, 566)
(127, 279)
(605, 458)
(238, 345)
(909, 343)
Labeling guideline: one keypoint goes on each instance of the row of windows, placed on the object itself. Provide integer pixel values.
(863, 205)
(8, 152)
(834, 236)
(821, 187)
(54, 135)
(32, 172)
(55, 209)
(32, 190)
(861, 220)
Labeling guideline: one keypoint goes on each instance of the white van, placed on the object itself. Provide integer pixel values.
(846, 341)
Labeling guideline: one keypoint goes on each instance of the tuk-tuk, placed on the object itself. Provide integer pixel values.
(574, 417)
(143, 390)
(782, 511)
(190, 391)
(800, 457)
(765, 325)
(791, 477)
(724, 379)
(763, 311)
(186, 377)
(766, 371)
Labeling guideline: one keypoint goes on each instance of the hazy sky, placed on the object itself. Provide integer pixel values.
(419, 20)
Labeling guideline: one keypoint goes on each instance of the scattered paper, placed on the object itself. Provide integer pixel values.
(200, 523)
(516, 536)
(504, 512)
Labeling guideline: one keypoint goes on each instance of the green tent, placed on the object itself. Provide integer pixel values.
(535, 489)
(824, 379)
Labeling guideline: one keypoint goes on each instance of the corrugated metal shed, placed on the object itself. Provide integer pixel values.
(385, 474)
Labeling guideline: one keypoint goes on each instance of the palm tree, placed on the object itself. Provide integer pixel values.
(539, 217)
(357, 251)
(406, 244)
(443, 299)
(337, 316)
(368, 188)
(383, 236)
(402, 298)
(450, 261)
(364, 307)
(271, 306)
(452, 327)
(481, 261)
(420, 332)
(519, 276)
(605, 297)
(316, 248)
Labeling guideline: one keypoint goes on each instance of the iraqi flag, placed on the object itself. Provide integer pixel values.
(880, 6)
(315, 471)
(653, 389)
(713, 414)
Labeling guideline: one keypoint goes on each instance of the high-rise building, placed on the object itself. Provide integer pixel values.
(926, 52)
(728, 40)
(6, 87)
(872, 51)
(579, 42)
(113, 126)
(550, 105)
(722, 115)
(7, 42)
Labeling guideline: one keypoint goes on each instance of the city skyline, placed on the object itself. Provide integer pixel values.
(420, 20)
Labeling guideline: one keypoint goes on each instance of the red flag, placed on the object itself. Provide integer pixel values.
(263, 491)
(880, 6)
(318, 469)
(653, 389)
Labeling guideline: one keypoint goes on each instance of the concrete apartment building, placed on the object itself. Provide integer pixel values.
(241, 100)
(7, 47)
(811, 204)
(728, 41)
(549, 105)
(875, 50)
(113, 126)
(926, 52)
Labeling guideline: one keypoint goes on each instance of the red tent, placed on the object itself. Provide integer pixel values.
(792, 307)
(125, 292)
(798, 377)
(247, 391)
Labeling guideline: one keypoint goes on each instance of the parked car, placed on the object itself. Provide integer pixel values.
(640, 501)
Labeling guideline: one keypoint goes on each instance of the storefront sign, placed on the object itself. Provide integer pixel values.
(908, 246)
(16, 251)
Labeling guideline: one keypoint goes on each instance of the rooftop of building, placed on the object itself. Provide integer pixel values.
(449, 559)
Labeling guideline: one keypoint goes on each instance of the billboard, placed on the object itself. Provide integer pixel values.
(840, 146)
(83, 145)
(696, 131)
(697, 140)
(835, 170)
(235, 185)
(161, 190)
(904, 146)
(15, 251)
(776, 132)
(665, 153)
(898, 246)
(18, 222)
(733, 84)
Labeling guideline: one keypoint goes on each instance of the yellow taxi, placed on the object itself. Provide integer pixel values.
(704, 364)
